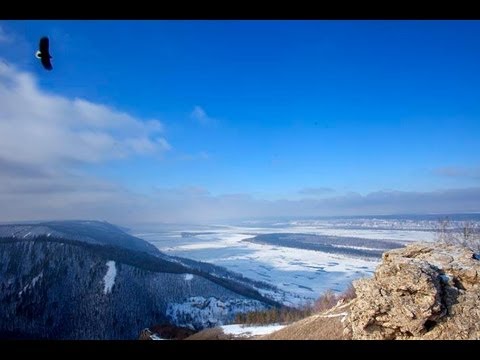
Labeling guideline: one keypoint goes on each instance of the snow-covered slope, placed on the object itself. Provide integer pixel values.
(56, 288)
(247, 331)
(109, 278)
(199, 312)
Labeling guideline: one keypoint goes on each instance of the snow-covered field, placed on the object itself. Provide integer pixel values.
(248, 331)
(300, 274)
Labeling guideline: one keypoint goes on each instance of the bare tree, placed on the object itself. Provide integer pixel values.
(466, 233)
(444, 230)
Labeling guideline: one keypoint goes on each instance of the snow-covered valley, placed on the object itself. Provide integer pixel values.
(300, 274)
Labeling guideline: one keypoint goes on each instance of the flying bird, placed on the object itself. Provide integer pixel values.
(44, 54)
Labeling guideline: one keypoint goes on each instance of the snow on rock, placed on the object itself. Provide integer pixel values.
(248, 331)
(198, 312)
(188, 277)
(155, 337)
(109, 278)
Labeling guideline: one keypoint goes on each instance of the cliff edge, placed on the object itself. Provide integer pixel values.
(422, 291)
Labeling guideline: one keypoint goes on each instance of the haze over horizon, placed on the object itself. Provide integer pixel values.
(215, 120)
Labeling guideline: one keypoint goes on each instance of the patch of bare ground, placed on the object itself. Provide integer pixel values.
(328, 325)
(210, 334)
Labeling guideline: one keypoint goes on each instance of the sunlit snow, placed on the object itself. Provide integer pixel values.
(110, 276)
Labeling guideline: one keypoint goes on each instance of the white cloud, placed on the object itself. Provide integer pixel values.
(198, 205)
(199, 115)
(163, 144)
(43, 129)
(43, 137)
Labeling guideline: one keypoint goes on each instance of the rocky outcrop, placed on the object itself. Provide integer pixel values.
(422, 291)
(165, 332)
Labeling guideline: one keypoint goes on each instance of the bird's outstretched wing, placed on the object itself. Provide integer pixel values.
(44, 53)
(46, 63)
(44, 46)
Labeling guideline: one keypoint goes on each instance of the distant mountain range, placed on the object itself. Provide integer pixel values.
(91, 280)
(472, 216)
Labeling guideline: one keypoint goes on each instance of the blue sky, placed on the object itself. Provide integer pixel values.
(275, 110)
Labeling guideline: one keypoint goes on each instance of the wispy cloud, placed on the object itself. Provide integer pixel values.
(316, 191)
(199, 115)
(185, 205)
(75, 197)
(4, 36)
(458, 172)
(43, 139)
(43, 129)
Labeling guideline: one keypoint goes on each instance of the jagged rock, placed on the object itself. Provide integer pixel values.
(145, 334)
(165, 332)
(422, 291)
